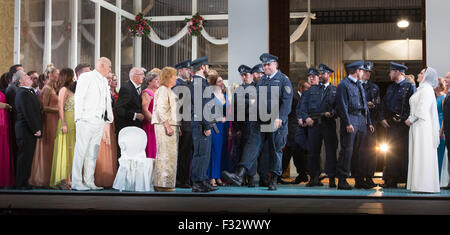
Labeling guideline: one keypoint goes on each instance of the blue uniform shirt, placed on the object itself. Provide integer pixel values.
(396, 100)
(206, 125)
(284, 99)
(350, 98)
(373, 95)
(317, 99)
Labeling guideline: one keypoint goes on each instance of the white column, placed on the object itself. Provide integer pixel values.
(47, 34)
(308, 63)
(194, 41)
(17, 32)
(118, 46)
(74, 36)
(437, 35)
(97, 32)
(245, 50)
(137, 40)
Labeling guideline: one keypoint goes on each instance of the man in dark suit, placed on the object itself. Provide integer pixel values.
(28, 128)
(128, 108)
(185, 146)
(293, 149)
(446, 118)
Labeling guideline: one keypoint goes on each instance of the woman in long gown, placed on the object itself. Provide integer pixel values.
(43, 153)
(167, 128)
(106, 165)
(148, 95)
(6, 161)
(65, 133)
(441, 91)
(423, 136)
(219, 147)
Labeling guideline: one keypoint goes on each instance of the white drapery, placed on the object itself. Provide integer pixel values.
(170, 41)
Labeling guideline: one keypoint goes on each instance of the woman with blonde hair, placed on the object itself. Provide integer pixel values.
(43, 154)
(164, 119)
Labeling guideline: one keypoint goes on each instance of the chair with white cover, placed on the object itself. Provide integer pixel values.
(135, 170)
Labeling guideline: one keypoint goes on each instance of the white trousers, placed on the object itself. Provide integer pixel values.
(88, 137)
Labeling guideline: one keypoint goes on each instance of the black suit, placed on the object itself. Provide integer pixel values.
(446, 119)
(28, 122)
(128, 103)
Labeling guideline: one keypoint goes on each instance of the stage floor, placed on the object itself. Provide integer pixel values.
(288, 199)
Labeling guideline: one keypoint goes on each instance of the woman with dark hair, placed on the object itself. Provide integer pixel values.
(65, 132)
(219, 148)
(43, 153)
(4, 82)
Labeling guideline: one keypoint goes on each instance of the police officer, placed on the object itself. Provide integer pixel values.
(201, 127)
(257, 72)
(274, 131)
(317, 110)
(295, 149)
(394, 112)
(241, 102)
(185, 141)
(351, 107)
(366, 160)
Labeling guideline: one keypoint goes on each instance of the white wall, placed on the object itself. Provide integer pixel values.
(438, 35)
(248, 34)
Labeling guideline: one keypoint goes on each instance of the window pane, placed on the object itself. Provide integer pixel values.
(167, 7)
(32, 34)
(212, 7)
(86, 35)
(61, 33)
(127, 60)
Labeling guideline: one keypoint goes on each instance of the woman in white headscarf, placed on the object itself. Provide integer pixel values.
(423, 173)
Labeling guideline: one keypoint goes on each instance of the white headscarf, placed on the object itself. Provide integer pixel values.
(431, 77)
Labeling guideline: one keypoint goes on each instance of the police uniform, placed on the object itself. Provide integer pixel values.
(276, 139)
(351, 107)
(199, 124)
(185, 142)
(318, 100)
(241, 102)
(366, 161)
(395, 105)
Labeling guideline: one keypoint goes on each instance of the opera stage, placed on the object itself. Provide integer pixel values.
(288, 199)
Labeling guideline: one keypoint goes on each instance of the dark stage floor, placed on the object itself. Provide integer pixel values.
(288, 199)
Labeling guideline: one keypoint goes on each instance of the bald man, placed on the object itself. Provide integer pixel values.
(92, 110)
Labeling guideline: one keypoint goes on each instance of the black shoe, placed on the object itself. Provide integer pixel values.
(360, 184)
(235, 178)
(314, 182)
(209, 186)
(332, 183)
(369, 182)
(273, 182)
(298, 179)
(199, 187)
(343, 184)
(182, 185)
(263, 182)
(250, 182)
(389, 184)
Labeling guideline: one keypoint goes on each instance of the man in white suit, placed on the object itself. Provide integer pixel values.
(92, 110)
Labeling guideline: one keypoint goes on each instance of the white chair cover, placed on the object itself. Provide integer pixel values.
(135, 170)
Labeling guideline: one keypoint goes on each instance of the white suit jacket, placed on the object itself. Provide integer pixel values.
(92, 97)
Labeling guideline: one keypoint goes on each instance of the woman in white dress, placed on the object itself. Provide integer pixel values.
(423, 173)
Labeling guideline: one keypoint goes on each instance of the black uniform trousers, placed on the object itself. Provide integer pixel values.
(26, 143)
(325, 131)
(185, 149)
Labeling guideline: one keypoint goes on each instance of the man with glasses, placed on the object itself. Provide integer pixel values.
(128, 108)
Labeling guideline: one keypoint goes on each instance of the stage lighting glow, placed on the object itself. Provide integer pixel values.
(384, 147)
(403, 24)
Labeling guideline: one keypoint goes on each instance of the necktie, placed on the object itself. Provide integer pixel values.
(138, 90)
(360, 88)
